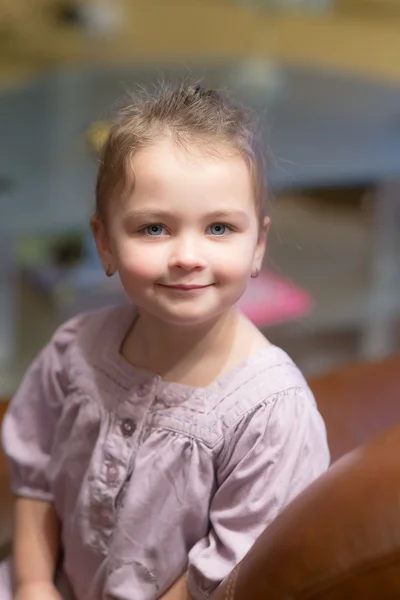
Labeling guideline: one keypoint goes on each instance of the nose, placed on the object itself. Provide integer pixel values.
(186, 254)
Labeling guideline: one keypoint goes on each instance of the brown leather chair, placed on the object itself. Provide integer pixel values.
(340, 539)
(358, 402)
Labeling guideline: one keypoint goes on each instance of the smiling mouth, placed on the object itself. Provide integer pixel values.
(186, 288)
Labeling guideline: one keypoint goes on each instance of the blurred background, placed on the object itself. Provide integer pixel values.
(324, 79)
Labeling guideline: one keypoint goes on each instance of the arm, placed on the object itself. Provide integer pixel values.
(273, 454)
(36, 542)
(28, 432)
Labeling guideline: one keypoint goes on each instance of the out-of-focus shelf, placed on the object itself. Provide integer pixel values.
(342, 39)
(381, 9)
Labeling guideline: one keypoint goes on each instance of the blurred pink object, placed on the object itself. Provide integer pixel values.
(271, 299)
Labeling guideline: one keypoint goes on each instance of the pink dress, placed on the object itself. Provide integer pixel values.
(152, 478)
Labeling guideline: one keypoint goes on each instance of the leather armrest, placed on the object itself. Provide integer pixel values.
(358, 402)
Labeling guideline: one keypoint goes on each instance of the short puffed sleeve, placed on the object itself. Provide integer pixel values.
(30, 421)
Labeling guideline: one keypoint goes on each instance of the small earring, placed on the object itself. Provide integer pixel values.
(255, 273)
(109, 271)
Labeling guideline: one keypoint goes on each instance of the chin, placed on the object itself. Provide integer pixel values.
(187, 319)
(188, 316)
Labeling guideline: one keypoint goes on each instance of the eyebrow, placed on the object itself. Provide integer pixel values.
(229, 214)
(146, 213)
(157, 214)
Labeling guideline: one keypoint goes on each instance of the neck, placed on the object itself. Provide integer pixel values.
(175, 352)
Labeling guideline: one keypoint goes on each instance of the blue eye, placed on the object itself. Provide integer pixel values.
(218, 229)
(154, 230)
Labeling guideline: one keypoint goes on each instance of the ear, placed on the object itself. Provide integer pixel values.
(261, 245)
(101, 238)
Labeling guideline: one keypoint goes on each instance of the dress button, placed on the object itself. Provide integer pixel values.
(128, 427)
(143, 390)
(112, 474)
(106, 517)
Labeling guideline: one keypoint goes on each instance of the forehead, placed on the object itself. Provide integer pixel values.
(169, 172)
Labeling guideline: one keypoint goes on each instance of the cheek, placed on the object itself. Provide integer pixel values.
(139, 260)
(235, 259)
(234, 271)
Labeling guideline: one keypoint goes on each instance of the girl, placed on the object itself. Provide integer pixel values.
(151, 444)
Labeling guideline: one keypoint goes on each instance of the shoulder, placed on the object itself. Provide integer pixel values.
(89, 325)
(77, 345)
(265, 378)
(267, 384)
(85, 330)
(272, 407)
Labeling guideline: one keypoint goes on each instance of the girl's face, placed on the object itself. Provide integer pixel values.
(187, 238)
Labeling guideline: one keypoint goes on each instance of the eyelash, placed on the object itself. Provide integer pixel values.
(144, 230)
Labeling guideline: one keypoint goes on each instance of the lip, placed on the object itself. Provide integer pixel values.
(186, 288)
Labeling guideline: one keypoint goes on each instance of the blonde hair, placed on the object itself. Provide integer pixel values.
(193, 116)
